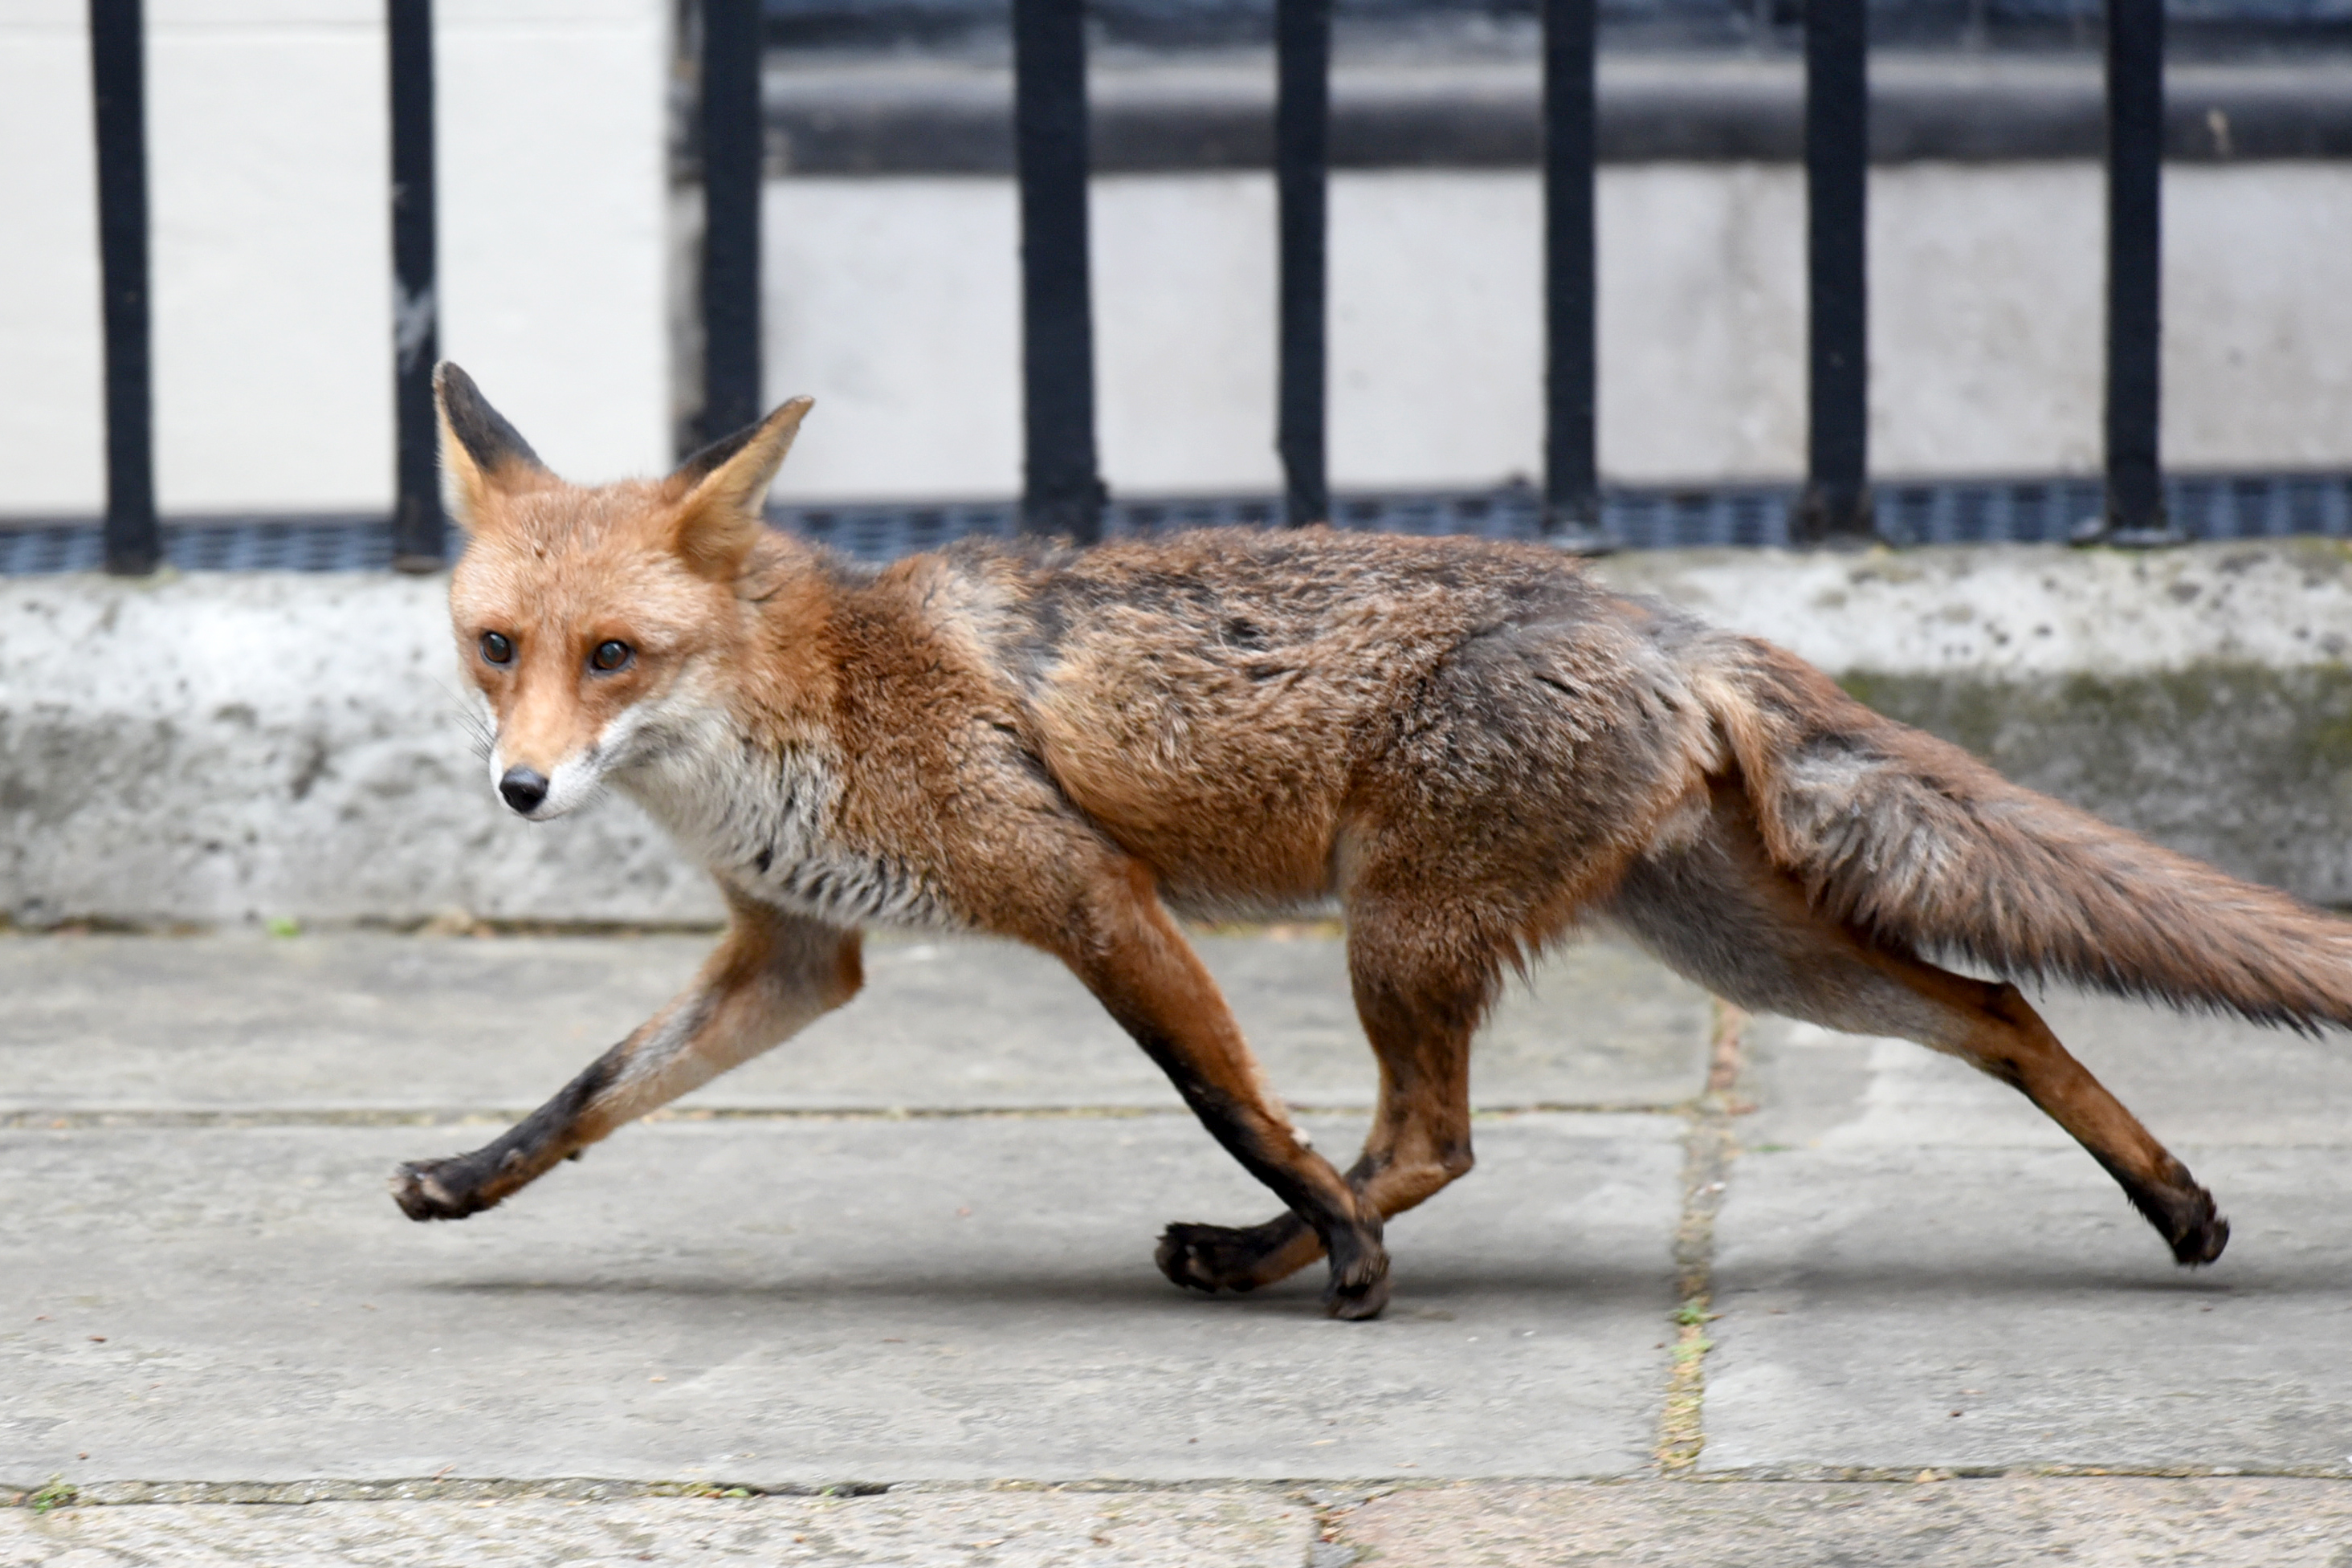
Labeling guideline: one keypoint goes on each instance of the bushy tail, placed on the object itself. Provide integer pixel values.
(1918, 842)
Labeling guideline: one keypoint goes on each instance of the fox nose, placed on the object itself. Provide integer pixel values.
(523, 789)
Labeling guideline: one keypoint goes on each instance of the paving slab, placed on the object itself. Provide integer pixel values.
(357, 1021)
(2106, 1523)
(2103, 1522)
(2199, 1079)
(1001, 1529)
(1917, 1269)
(807, 1301)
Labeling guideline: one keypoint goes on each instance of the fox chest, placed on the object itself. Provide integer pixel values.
(767, 826)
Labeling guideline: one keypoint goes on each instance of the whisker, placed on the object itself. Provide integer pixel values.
(481, 734)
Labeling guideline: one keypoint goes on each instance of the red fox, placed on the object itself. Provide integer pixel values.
(1471, 747)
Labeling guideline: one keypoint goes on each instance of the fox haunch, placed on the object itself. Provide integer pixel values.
(1472, 748)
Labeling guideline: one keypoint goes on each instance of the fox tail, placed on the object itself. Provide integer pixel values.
(1912, 839)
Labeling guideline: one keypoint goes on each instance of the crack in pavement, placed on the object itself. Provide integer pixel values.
(1707, 1152)
(68, 1120)
(1330, 1500)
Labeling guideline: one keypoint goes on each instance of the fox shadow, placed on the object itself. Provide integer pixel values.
(1602, 1287)
(1553, 1287)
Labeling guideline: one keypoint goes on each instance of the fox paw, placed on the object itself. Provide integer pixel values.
(2183, 1213)
(436, 1189)
(1359, 1288)
(2197, 1233)
(1237, 1258)
(1215, 1257)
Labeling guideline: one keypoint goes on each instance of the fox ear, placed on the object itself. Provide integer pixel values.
(723, 486)
(481, 454)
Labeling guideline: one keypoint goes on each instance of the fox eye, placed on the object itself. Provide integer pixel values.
(610, 654)
(497, 648)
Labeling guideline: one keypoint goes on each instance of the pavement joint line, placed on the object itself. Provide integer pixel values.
(1881, 1475)
(1331, 1506)
(101, 1120)
(426, 928)
(1329, 1498)
(457, 924)
(1324, 1495)
(1708, 1149)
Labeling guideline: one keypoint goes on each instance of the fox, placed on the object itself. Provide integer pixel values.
(1473, 748)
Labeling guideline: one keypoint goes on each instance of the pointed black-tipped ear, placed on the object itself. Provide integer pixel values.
(723, 487)
(481, 453)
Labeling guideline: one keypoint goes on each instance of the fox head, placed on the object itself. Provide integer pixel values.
(593, 618)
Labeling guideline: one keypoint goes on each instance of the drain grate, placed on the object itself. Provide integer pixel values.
(2022, 511)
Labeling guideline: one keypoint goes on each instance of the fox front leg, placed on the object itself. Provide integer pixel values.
(1137, 964)
(772, 975)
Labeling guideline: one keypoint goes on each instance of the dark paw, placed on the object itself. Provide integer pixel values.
(1242, 1258)
(1358, 1288)
(2198, 1234)
(1215, 1257)
(2183, 1215)
(437, 1189)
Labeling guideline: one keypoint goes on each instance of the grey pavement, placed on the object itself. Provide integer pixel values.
(911, 1251)
(2079, 1521)
(1129, 1530)
(1916, 1268)
(802, 1302)
(372, 1023)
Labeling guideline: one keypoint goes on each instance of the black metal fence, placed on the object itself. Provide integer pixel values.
(1063, 490)
(1837, 503)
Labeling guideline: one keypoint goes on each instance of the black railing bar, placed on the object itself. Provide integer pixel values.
(2134, 511)
(118, 60)
(418, 542)
(731, 128)
(1572, 464)
(1302, 128)
(1836, 507)
(1062, 484)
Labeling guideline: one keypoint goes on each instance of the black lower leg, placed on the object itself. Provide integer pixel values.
(1351, 1235)
(1358, 1286)
(2181, 1211)
(461, 1185)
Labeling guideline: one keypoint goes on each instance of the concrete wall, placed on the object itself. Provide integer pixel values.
(893, 301)
(221, 748)
(269, 189)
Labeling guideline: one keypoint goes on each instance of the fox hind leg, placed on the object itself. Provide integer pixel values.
(1720, 913)
(2006, 1038)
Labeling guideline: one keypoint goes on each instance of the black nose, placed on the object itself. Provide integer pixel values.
(523, 789)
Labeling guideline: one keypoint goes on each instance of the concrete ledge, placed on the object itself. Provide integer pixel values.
(892, 116)
(217, 748)
(2198, 695)
(221, 747)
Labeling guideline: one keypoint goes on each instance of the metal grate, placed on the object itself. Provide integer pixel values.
(349, 543)
(2022, 511)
